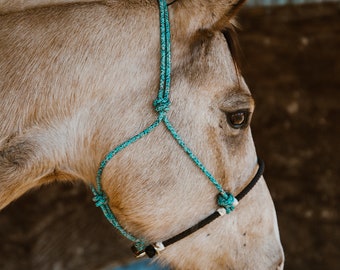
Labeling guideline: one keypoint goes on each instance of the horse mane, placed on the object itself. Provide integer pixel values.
(231, 36)
(229, 30)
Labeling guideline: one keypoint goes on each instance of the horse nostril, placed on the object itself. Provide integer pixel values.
(280, 265)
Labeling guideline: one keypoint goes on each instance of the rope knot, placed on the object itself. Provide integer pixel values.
(139, 245)
(99, 199)
(161, 104)
(227, 201)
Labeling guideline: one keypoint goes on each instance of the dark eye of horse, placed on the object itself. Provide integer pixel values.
(238, 119)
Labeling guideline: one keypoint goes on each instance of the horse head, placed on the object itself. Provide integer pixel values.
(88, 84)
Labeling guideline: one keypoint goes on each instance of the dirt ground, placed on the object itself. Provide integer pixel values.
(292, 65)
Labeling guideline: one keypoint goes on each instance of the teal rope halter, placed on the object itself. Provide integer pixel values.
(162, 106)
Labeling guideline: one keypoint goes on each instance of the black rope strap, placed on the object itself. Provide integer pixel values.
(154, 249)
(253, 182)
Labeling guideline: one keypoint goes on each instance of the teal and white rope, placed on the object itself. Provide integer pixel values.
(162, 106)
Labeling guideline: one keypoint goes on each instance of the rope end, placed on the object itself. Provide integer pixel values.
(138, 249)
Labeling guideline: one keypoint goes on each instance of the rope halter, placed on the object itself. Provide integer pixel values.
(162, 105)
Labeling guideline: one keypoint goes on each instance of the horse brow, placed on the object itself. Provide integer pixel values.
(240, 99)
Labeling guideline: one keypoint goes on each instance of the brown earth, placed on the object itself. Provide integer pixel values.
(293, 69)
(292, 66)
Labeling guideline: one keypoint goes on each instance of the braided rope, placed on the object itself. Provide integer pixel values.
(161, 105)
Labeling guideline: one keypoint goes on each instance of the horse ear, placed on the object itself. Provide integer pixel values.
(205, 14)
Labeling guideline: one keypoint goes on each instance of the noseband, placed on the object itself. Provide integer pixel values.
(226, 200)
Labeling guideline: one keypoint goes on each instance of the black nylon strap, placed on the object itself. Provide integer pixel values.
(151, 251)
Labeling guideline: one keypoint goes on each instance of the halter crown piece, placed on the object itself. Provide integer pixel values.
(161, 104)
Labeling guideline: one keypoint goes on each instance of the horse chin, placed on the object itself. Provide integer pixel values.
(250, 258)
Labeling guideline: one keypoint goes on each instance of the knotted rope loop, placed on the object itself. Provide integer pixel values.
(99, 198)
(227, 201)
(138, 248)
(162, 105)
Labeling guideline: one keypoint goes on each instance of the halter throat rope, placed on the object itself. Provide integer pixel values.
(162, 105)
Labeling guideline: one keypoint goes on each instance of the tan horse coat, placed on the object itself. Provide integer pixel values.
(78, 79)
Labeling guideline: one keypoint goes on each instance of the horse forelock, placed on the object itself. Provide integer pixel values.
(232, 40)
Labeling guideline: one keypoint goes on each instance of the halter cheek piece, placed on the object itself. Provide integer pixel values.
(225, 200)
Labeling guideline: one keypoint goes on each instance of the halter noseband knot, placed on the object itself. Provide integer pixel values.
(99, 199)
(227, 201)
(161, 105)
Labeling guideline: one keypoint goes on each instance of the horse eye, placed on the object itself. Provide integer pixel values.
(238, 119)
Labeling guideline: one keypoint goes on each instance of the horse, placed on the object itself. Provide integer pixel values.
(78, 78)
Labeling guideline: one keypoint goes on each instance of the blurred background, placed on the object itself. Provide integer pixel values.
(292, 65)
